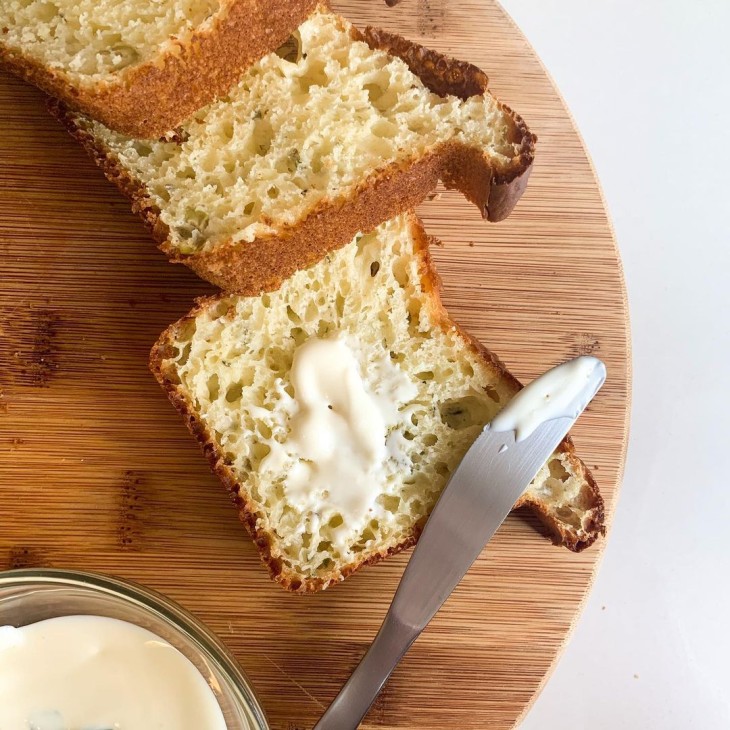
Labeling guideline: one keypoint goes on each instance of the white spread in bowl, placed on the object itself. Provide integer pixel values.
(96, 673)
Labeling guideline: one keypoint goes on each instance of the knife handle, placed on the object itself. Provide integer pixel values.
(354, 700)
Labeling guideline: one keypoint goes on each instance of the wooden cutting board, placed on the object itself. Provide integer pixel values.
(97, 471)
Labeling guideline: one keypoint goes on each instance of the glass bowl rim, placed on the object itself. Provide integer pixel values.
(160, 606)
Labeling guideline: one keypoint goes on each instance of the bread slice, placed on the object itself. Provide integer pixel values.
(334, 133)
(140, 67)
(227, 367)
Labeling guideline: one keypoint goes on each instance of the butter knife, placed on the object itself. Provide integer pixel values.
(496, 470)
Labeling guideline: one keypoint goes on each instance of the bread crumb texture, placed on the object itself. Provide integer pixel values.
(89, 40)
(306, 124)
(232, 362)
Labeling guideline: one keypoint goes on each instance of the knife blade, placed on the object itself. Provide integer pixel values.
(491, 477)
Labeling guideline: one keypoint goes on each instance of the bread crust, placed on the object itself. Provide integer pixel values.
(263, 264)
(431, 284)
(151, 98)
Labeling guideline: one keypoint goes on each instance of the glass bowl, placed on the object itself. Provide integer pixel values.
(27, 596)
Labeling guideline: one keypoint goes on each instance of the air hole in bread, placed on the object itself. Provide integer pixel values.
(142, 148)
(390, 502)
(558, 471)
(213, 387)
(173, 376)
(221, 308)
(278, 360)
(186, 173)
(229, 456)
(119, 56)
(400, 272)
(568, 515)
(292, 315)
(315, 75)
(228, 129)
(162, 192)
(291, 49)
(374, 91)
(310, 314)
(441, 468)
(316, 164)
(184, 354)
(197, 219)
(234, 392)
(185, 233)
(464, 412)
(260, 451)
(246, 376)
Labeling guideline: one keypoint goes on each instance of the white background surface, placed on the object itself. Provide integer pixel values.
(648, 82)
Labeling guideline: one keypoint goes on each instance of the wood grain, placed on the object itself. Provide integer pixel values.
(97, 471)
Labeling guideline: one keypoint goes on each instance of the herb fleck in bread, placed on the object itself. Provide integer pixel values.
(334, 133)
(227, 367)
(141, 67)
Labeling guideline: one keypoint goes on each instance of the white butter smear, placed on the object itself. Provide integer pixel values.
(343, 439)
(562, 392)
(97, 673)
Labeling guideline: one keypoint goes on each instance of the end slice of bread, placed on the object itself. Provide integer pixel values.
(232, 367)
(334, 133)
(140, 67)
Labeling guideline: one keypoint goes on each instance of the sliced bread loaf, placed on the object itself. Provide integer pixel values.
(334, 133)
(141, 67)
(336, 408)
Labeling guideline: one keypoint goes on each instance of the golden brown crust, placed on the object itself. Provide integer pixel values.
(441, 74)
(263, 264)
(151, 98)
(594, 523)
(464, 171)
(431, 284)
